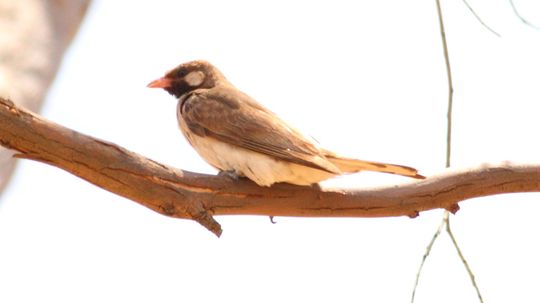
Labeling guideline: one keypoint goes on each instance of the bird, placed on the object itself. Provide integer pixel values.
(242, 138)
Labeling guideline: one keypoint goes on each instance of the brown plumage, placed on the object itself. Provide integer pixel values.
(234, 133)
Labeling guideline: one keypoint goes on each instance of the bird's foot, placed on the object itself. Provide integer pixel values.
(229, 174)
(316, 186)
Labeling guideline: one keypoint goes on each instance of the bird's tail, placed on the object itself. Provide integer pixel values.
(348, 165)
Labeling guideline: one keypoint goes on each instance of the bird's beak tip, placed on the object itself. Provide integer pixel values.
(160, 83)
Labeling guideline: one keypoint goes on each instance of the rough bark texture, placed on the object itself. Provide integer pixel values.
(184, 194)
(34, 35)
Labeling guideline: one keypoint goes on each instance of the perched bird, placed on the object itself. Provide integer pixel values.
(240, 137)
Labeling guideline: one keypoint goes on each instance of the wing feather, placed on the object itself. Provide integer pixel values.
(235, 118)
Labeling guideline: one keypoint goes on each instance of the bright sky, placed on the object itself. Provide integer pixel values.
(366, 78)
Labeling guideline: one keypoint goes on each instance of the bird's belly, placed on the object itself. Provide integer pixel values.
(263, 170)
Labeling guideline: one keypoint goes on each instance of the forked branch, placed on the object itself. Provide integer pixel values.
(182, 194)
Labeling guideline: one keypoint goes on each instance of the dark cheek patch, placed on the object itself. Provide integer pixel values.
(179, 88)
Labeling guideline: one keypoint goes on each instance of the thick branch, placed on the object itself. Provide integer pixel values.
(184, 194)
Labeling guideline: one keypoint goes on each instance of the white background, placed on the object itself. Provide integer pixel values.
(366, 78)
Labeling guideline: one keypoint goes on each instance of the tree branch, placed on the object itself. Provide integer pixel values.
(183, 194)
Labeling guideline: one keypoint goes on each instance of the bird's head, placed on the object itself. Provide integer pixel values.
(189, 76)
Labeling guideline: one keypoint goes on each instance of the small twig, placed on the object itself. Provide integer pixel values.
(480, 19)
(521, 17)
(450, 86)
(446, 218)
(426, 254)
(465, 263)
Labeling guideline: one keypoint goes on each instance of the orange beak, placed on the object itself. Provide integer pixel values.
(160, 83)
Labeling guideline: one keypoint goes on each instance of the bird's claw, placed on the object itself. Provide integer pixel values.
(229, 174)
(316, 186)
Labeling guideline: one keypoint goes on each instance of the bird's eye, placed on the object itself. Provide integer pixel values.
(181, 73)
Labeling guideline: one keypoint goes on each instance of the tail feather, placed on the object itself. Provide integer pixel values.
(348, 165)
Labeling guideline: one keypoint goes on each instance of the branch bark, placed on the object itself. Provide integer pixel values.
(182, 194)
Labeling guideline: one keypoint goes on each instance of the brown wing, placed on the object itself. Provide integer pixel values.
(233, 117)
